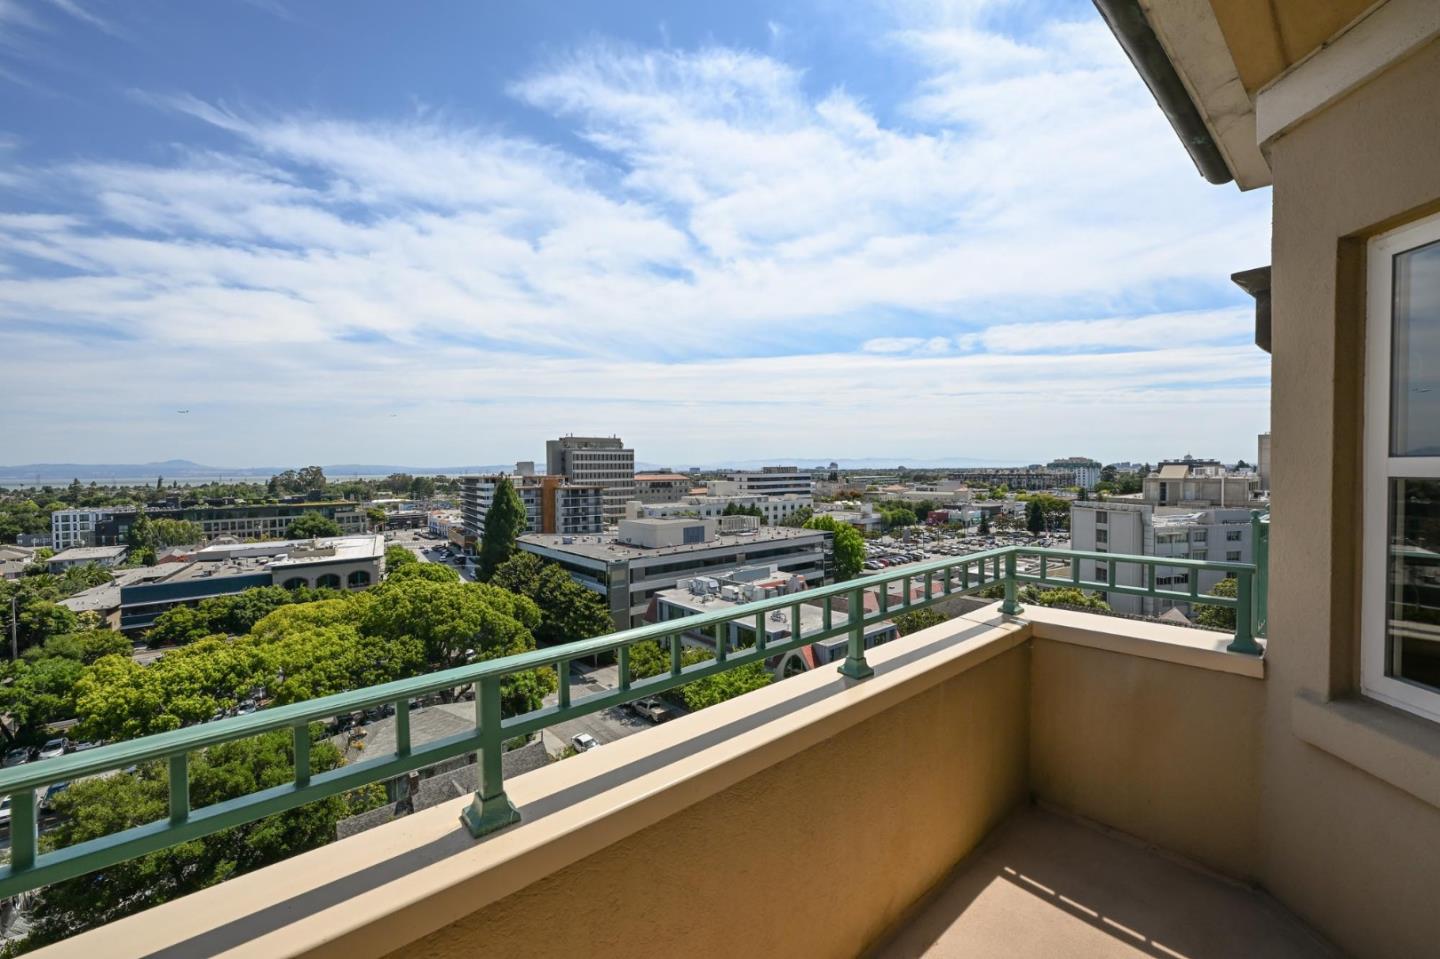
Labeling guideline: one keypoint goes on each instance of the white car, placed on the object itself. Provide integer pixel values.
(584, 742)
(55, 747)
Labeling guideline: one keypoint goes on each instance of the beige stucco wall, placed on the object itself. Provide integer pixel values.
(1162, 751)
(815, 856)
(1351, 853)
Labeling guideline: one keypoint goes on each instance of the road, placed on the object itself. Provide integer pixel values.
(429, 550)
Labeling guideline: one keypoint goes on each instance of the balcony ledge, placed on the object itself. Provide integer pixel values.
(377, 892)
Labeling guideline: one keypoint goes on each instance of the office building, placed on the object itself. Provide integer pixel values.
(641, 557)
(551, 504)
(602, 461)
(1015, 477)
(773, 509)
(652, 488)
(1142, 529)
(767, 481)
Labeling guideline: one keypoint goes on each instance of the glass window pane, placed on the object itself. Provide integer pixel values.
(1412, 626)
(1415, 354)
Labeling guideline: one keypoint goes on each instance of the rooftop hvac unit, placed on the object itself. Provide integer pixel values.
(776, 616)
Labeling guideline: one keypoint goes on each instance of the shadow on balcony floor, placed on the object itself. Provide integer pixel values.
(1043, 886)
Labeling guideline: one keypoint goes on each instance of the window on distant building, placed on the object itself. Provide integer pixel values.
(1101, 516)
(1234, 535)
(1102, 536)
(1400, 639)
(1232, 556)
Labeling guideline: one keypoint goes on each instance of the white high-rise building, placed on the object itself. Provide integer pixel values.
(769, 481)
(602, 461)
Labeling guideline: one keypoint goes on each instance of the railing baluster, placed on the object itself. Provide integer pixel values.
(1110, 579)
(1011, 606)
(722, 631)
(562, 675)
(675, 658)
(795, 630)
(905, 593)
(1244, 641)
(855, 665)
(760, 637)
(24, 830)
(491, 809)
(302, 754)
(624, 667)
(402, 727)
(179, 788)
(1044, 568)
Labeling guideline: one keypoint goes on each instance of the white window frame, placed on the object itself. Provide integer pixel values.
(1380, 467)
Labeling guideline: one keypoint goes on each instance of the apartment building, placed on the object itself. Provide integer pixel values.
(1199, 483)
(110, 526)
(767, 481)
(653, 488)
(551, 504)
(602, 461)
(643, 556)
(1084, 471)
(1142, 529)
(773, 509)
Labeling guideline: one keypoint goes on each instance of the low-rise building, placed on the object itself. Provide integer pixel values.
(629, 574)
(106, 556)
(661, 487)
(1015, 477)
(14, 559)
(1196, 484)
(772, 509)
(110, 526)
(341, 562)
(767, 481)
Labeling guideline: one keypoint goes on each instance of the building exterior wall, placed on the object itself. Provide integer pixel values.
(1364, 165)
(774, 509)
(595, 460)
(551, 504)
(772, 481)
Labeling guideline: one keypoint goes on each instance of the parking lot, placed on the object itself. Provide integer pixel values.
(428, 549)
(919, 546)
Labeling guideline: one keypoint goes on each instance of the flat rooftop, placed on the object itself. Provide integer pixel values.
(81, 554)
(603, 546)
(295, 552)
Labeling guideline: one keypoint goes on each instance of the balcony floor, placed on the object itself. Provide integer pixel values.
(1043, 885)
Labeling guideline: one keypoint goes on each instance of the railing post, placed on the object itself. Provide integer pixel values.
(491, 809)
(1244, 641)
(1011, 606)
(1260, 544)
(855, 665)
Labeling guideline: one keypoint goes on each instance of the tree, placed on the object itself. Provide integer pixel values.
(421, 487)
(727, 685)
(504, 522)
(568, 611)
(1034, 517)
(984, 523)
(1219, 617)
(311, 479)
(165, 533)
(916, 620)
(96, 806)
(376, 516)
(434, 572)
(1063, 596)
(312, 523)
(847, 545)
(398, 556)
(798, 518)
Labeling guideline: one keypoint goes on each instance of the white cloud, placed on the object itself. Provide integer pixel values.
(725, 207)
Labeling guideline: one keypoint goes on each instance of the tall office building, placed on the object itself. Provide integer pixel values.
(552, 505)
(600, 461)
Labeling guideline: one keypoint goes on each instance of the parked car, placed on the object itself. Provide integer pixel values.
(584, 742)
(51, 792)
(651, 709)
(16, 757)
(58, 746)
(80, 747)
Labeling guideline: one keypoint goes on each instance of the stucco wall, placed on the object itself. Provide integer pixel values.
(815, 856)
(1165, 752)
(1351, 853)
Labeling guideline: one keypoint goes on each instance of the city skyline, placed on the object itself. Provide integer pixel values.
(716, 232)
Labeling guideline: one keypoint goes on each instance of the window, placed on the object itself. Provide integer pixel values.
(1101, 516)
(1233, 535)
(1400, 627)
(1200, 536)
(1102, 536)
(1232, 556)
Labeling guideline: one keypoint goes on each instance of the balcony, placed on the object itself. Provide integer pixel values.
(1052, 779)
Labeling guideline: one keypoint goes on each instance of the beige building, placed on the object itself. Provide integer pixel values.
(602, 461)
(1200, 485)
(1001, 784)
(651, 488)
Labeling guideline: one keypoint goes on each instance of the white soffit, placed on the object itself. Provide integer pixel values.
(1191, 35)
(1384, 35)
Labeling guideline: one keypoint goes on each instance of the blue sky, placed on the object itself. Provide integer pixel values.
(441, 232)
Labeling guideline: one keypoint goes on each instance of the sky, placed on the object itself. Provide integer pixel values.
(438, 233)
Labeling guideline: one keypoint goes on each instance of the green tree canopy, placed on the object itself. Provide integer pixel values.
(916, 620)
(397, 556)
(310, 524)
(568, 611)
(847, 543)
(1219, 617)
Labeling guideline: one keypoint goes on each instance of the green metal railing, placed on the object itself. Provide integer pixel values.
(491, 809)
